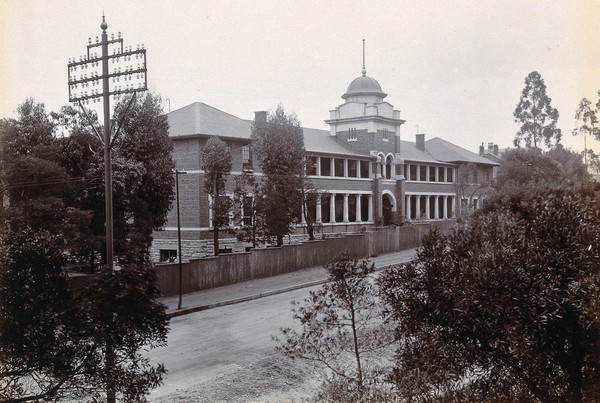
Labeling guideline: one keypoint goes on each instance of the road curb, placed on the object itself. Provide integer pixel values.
(185, 311)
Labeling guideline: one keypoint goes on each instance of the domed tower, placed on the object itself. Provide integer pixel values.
(365, 122)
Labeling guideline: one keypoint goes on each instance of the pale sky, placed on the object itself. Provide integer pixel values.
(455, 69)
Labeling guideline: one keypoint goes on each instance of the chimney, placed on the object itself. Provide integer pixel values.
(420, 140)
(490, 147)
(260, 117)
(481, 150)
(496, 150)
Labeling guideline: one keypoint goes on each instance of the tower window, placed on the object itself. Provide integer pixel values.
(352, 134)
(386, 134)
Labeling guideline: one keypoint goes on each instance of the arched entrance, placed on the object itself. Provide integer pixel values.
(388, 209)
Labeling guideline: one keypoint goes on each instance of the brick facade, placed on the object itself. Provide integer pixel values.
(362, 170)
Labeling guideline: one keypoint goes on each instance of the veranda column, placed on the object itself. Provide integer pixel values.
(370, 219)
(445, 207)
(302, 219)
(318, 162)
(436, 205)
(453, 210)
(408, 206)
(358, 208)
(318, 207)
(332, 208)
(427, 215)
(418, 207)
(346, 207)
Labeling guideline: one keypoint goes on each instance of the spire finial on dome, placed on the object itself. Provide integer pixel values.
(364, 70)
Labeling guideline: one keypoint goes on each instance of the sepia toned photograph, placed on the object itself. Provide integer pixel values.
(299, 201)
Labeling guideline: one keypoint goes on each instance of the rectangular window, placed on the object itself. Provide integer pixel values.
(386, 134)
(441, 176)
(352, 135)
(475, 177)
(168, 255)
(364, 169)
(246, 154)
(311, 165)
(352, 172)
(339, 167)
(325, 166)
(423, 173)
(450, 175)
(432, 171)
(413, 172)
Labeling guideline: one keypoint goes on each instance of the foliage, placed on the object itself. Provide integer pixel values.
(341, 333)
(536, 116)
(53, 345)
(310, 196)
(246, 198)
(279, 147)
(216, 163)
(40, 190)
(571, 163)
(37, 319)
(51, 341)
(528, 169)
(505, 309)
(469, 186)
(123, 316)
(58, 181)
(143, 179)
(587, 118)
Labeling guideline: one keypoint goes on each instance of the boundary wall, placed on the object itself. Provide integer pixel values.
(212, 272)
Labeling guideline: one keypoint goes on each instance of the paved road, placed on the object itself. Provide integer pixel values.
(226, 353)
(214, 355)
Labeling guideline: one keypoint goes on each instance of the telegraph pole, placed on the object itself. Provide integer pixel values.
(177, 173)
(90, 70)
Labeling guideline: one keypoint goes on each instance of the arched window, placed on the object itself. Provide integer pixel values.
(388, 167)
(381, 160)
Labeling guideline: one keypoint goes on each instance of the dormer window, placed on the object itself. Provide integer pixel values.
(352, 134)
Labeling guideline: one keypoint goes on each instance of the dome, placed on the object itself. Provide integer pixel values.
(364, 85)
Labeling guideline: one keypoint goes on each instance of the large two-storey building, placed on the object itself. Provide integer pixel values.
(366, 174)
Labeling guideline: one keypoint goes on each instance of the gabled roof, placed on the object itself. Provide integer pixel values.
(410, 152)
(199, 118)
(448, 152)
(321, 142)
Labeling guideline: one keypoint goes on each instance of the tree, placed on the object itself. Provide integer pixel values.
(279, 147)
(528, 169)
(216, 163)
(536, 116)
(55, 344)
(342, 333)
(246, 197)
(143, 179)
(571, 163)
(310, 196)
(40, 346)
(123, 317)
(504, 309)
(587, 118)
(468, 185)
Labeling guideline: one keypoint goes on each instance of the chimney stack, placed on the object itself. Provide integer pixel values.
(260, 117)
(496, 150)
(481, 150)
(420, 141)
